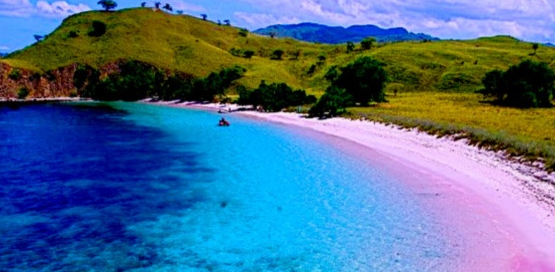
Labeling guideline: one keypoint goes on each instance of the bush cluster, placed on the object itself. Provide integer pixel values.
(137, 80)
(241, 53)
(360, 82)
(22, 93)
(243, 32)
(98, 29)
(15, 74)
(274, 97)
(526, 85)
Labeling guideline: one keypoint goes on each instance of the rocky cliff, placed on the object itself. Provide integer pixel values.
(55, 83)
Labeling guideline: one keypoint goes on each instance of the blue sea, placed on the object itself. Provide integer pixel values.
(136, 187)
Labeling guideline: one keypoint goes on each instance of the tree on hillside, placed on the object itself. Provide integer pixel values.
(204, 16)
(38, 37)
(493, 85)
(535, 47)
(180, 12)
(248, 54)
(367, 43)
(334, 101)
(243, 32)
(108, 4)
(273, 34)
(227, 22)
(350, 47)
(143, 4)
(167, 7)
(321, 59)
(277, 54)
(157, 5)
(364, 80)
(527, 85)
(98, 29)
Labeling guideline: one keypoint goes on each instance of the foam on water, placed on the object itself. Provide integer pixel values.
(147, 188)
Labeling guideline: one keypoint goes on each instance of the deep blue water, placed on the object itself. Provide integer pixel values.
(122, 186)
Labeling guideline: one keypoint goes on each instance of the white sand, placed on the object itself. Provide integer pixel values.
(519, 196)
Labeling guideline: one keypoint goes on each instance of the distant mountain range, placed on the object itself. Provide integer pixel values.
(311, 32)
(3, 55)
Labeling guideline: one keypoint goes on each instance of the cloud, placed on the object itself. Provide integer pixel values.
(180, 5)
(15, 8)
(59, 9)
(445, 18)
(24, 8)
(264, 19)
(4, 48)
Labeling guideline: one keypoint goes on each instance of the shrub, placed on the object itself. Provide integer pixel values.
(350, 47)
(72, 34)
(248, 54)
(22, 93)
(321, 59)
(312, 69)
(15, 74)
(98, 29)
(367, 43)
(236, 52)
(277, 54)
(243, 32)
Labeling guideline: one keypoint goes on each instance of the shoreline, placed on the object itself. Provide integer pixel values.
(4, 100)
(517, 198)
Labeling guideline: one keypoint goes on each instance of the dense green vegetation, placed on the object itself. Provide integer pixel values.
(358, 83)
(527, 85)
(333, 102)
(274, 97)
(364, 80)
(137, 80)
(22, 93)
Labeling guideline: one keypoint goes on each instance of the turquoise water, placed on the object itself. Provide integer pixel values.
(134, 187)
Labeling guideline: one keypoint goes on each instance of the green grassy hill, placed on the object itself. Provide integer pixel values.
(197, 47)
(173, 42)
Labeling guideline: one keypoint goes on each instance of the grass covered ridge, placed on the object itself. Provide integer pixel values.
(193, 46)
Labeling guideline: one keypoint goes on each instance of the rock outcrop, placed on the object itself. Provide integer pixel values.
(55, 83)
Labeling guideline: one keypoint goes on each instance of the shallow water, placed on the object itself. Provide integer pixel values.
(123, 186)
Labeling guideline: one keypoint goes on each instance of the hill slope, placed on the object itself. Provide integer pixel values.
(196, 47)
(336, 35)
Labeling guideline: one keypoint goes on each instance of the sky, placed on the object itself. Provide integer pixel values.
(530, 20)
